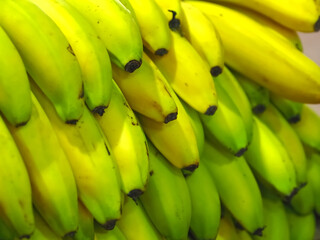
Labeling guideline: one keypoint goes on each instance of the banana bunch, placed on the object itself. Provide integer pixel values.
(158, 119)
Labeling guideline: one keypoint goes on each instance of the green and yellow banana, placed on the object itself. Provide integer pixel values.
(227, 228)
(114, 234)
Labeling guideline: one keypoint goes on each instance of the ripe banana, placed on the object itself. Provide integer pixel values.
(257, 94)
(203, 36)
(287, 68)
(91, 161)
(135, 223)
(153, 26)
(15, 102)
(308, 128)
(291, 110)
(270, 161)
(176, 140)
(227, 125)
(166, 200)
(188, 74)
(128, 143)
(87, 47)
(147, 91)
(117, 27)
(299, 15)
(46, 54)
(173, 11)
(114, 234)
(54, 191)
(241, 197)
(205, 204)
(15, 191)
(273, 119)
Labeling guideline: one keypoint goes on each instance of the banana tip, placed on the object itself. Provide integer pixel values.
(72, 122)
(241, 152)
(161, 52)
(109, 225)
(258, 109)
(211, 110)
(191, 168)
(99, 110)
(294, 119)
(70, 234)
(216, 71)
(170, 117)
(258, 232)
(317, 25)
(132, 65)
(135, 193)
(287, 199)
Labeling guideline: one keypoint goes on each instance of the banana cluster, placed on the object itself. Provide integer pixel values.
(158, 119)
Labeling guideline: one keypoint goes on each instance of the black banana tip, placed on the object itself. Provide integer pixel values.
(287, 199)
(27, 236)
(72, 122)
(216, 71)
(191, 168)
(135, 193)
(211, 110)
(21, 124)
(99, 110)
(294, 119)
(241, 152)
(258, 232)
(70, 234)
(170, 117)
(317, 25)
(109, 225)
(174, 23)
(258, 109)
(132, 65)
(161, 52)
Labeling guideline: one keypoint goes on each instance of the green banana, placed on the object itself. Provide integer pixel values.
(6, 230)
(114, 234)
(172, 10)
(135, 223)
(203, 36)
(46, 54)
(91, 160)
(16, 211)
(128, 143)
(291, 110)
(147, 91)
(227, 125)
(244, 235)
(87, 47)
(205, 204)
(242, 196)
(86, 224)
(54, 191)
(270, 161)
(15, 103)
(166, 200)
(258, 95)
(153, 26)
(304, 201)
(117, 27)
(314, 179)
(188, 74)
(260, 50)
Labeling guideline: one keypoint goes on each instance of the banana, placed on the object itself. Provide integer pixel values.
(244, 235)
(275, 218)
(260, 50)
(302, 227)
(299, 15)
(91, 160)
(166, 200)
(227, 229)
(47, 56)
(229, 83)
(87, 47)
(242, 196)
(86, 224)
(128, 143)
(308, 128)
(203, 36)
(274, 120)
(114, 234)
(172, 10)
(314, 179)
(188, 74)
(270, 161)
(6, 231)
(15, 103)
(147, 91)
(15, 191)
(117, 27)
(259, 96)
(205, 204)
(304, 201)
(153, 26)
(291, 110)
(227, 125)
(176, 140)
(135, 223)
(54, 192)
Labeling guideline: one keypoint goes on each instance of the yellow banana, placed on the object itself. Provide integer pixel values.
(147, 91)
(166, 200)
(173, 11)
(188, 74)
(117, 27)
(128, 143)
(227, 229)
(288, 68)
(15, 192)
(92, 163)
(54, 191)
(153, 26)
(114, 234)
(46, 54)
(87, 47)
(203, 36)
(15, 102)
